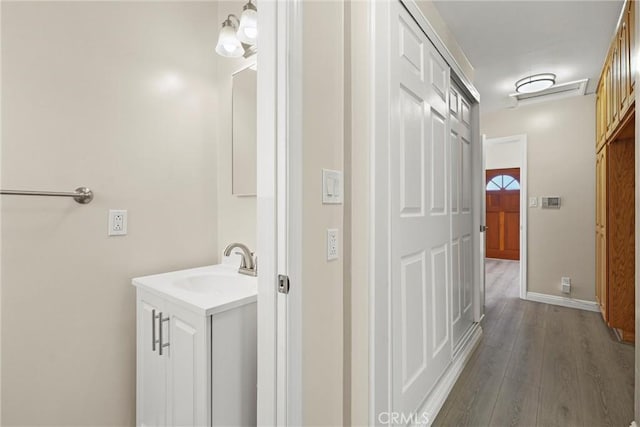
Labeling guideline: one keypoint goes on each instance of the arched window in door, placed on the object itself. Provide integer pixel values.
(503, 182)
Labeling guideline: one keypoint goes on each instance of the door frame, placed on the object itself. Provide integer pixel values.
(380, 352)
(521, 141)
(279, 213)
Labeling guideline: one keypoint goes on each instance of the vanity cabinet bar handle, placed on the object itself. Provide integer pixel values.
(162, 344)
(153, 329)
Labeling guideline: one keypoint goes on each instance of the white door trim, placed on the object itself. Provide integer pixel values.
(279, 213)
(380, 397)
(521, 140)
(379, 329)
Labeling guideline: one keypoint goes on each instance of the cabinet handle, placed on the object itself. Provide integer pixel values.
(162, 344)
(153, 329)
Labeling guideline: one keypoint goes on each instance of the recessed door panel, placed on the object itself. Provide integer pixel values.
(439, 302)
(455, 171)
(412, 153)
(414, 327)
(438, 166)
(439, 76)
(467, 274)
(456, 300)
(411, 49)
(466, 175)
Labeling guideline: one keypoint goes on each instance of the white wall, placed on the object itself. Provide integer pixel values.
(561, 162)
(236, 215)
(118, 96)
(503, 155)
(322, 136)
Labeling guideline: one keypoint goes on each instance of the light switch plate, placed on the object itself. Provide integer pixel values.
(117, 222)
(332, 244)
(331, 187)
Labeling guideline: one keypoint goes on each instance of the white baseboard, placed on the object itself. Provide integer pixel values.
(439, 394)
(563, 301)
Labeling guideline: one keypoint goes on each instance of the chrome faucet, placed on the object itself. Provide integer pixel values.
(248, 265)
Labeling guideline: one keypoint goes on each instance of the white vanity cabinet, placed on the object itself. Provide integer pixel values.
(196, 360)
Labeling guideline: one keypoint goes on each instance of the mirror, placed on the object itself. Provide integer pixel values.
(244, 120)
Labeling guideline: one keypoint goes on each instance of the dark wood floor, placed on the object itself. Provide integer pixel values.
(541, 365)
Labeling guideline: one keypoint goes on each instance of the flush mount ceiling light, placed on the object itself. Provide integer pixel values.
(248, 28)
(535, 83)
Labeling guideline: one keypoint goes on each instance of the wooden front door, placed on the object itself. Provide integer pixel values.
(503, 213)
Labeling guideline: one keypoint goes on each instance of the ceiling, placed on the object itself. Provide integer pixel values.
(508, 40)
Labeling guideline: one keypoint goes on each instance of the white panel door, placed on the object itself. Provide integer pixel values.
(461, 216)
(151, 371)
(420, 214)
(187, 370)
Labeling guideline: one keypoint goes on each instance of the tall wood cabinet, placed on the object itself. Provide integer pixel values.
(615, 185)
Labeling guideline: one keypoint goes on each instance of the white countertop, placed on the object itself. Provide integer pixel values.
(204, 290)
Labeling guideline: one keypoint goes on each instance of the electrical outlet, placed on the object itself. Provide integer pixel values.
(566, 285)
(332, 244)
(117, 222)
(533, 202)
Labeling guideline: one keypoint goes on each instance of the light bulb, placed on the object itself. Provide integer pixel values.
(250, 32)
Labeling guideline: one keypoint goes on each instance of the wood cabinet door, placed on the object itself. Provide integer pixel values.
(601, 231)
(631, 13)
(624, 74)
(503, 213)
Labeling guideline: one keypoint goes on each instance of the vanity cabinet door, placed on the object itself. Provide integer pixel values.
(188, 373)
(172, 385)
(151, 371)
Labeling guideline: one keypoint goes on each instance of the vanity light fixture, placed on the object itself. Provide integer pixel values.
(228, 44)
(238, 37)
(248, 28)
(535, 83)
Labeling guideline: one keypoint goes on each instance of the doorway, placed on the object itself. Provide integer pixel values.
(506, 201)
(503, 213)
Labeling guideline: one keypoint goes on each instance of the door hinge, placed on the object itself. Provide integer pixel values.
(483, 228)
(283, 284)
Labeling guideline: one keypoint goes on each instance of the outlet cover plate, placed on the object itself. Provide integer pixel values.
(117, 222)
(332, 244)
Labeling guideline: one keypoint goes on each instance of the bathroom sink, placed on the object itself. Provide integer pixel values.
(219, 282)
(208, 290)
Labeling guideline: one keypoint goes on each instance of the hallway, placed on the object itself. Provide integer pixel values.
(539, 364)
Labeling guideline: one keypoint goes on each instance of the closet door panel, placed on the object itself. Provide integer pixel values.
(420, 214)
